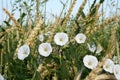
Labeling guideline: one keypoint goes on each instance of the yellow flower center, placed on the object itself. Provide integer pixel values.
(61, 39)
(107, 66)
(80, 38)
(25, 52)
(45, 49)
(89, 63)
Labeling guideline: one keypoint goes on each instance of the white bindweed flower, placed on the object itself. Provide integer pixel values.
(80, 38)
(23, 52)
(41, 37)
(1, 77)
(90, 61)
(91, 48)
(108, 66)
(116, 71)
(115, 59)
(45, 49)
(99, 49)
(61, 38)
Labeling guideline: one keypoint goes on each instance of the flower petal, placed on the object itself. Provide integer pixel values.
(108, 66)
(1, 77)
(116, 71)
(23, 52)
(61, 38)
(80, 38)
(45, 49)
(90, 61)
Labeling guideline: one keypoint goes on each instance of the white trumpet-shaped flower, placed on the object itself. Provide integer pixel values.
(45, 49)
(115, 59)
(61, 38)
(80, 38)
(41, 37)
(108, 66)
(90, 61)
(23, 52)
(99, 49)
(116, 71)
(1, 77)
(93, 48)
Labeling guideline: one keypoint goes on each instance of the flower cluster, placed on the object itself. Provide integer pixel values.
(45, 49)
(91, 62)
(110, 67)
(61, 38)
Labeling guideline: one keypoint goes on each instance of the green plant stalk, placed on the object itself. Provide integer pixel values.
(1, 62)
(33, 78)
(60, 57)
(118, 52)
(37, 9)
(17, 33)
(63, 9)
(8, 44)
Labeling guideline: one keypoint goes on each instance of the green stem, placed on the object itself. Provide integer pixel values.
(118, 52)
(8, 45)
(1, 62)
(33, 78)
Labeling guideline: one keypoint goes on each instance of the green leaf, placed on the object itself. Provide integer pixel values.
(93, 11)
(21, 18)
(7, 23)
(63, 71)
(101, 1)
(92, 6)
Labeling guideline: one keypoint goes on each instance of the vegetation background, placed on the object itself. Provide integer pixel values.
(65, 63)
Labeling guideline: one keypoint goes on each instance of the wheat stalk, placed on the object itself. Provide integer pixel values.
(13, 19)
(97, 6)
(69, 12)
(105, 77)
(100, 26)
(32, 37)
(81, 8)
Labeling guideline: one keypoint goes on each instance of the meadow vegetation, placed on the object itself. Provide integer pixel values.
(32, 48)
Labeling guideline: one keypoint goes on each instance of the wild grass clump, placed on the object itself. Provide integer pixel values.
(77, 48)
